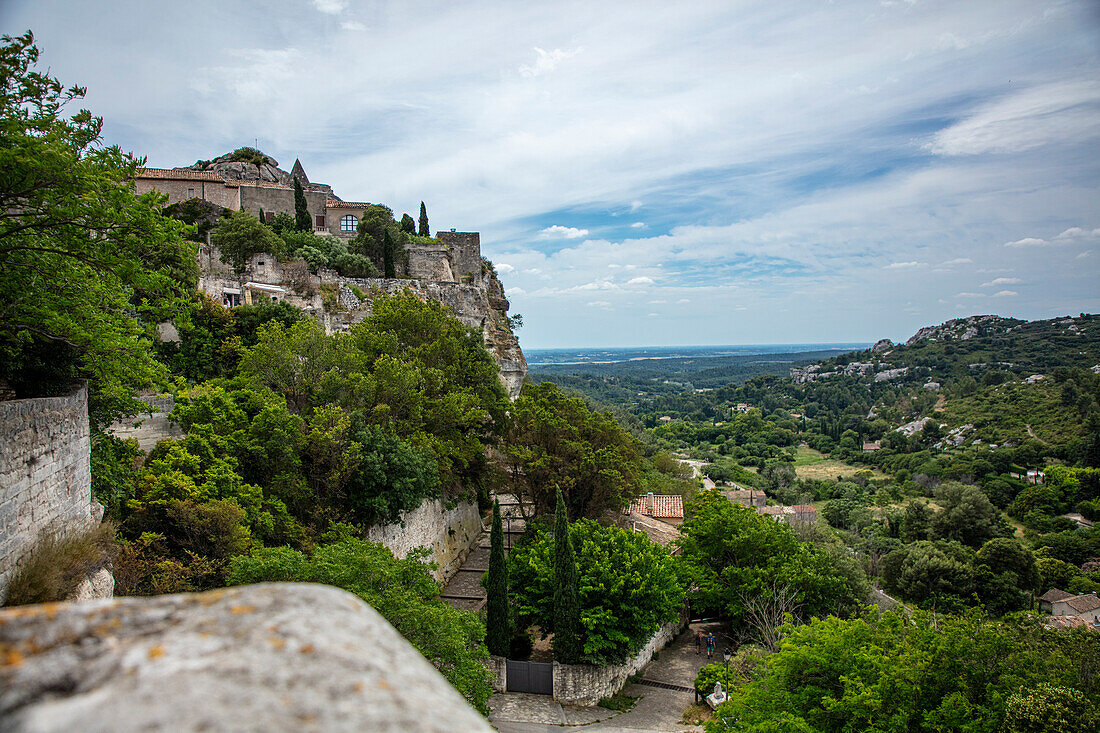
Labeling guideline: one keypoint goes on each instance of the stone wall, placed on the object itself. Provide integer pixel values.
(448, 533)
(45, 473)
(499, 667)
(465, 250)
(585, 684)
(271, 657)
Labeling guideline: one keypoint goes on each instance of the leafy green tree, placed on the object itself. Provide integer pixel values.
(241, 235)
(568, 638)
(967, 515)
(423, 231)
(1008, 555)
(303, 222)
(401, 590)
(1050, 709)
(930, 572)
(919, 672)
(86, 266)
(556, 440)
(627, 586)
(498, 627)
(391, 477)
(916, 523)
(732, 556)
(407, 224)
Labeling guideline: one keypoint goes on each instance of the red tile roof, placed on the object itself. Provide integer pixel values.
(662, 507)
(338, 204)
(179, 174)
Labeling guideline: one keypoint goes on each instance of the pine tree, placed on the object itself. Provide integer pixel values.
(568, 642)
(498, 630)
(423, 221)
(387, 255)
(302, 220)
(407, 224)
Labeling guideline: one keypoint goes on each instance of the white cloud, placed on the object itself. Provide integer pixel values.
(903, 265)
(638, 225)
(504, 267)
(653, 315)
(559, 232)
(1002, 281)
(957, 261)
(352, 25)
(1083, 255)
(332, 7)
(684, 300)
(660, 301)
(1027, 119)
(533, 271)
(635, 205)
(969, 295)
(545, 62)
(599, 304)
(1004, 294)
(643, 280)
(1028, 242)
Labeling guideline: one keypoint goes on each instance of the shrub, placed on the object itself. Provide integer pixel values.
(54, 567)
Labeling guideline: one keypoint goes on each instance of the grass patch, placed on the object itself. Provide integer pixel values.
(55, 566)
(809, 463)
(619, 701)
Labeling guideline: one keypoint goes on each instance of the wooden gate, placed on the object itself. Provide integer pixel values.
(536, 677)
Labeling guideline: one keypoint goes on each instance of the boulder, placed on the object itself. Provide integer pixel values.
(270, 657)
(882, 345)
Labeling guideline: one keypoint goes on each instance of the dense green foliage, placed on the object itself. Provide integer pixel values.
(626, 587)
(568, 638)
(424, 231)
(87, 268)
(918, 673)
(733, 556)
(401, 590)
(240, 235)
(556, 442)
(498, 626)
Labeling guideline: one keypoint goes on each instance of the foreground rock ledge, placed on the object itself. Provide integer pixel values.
(270, 657)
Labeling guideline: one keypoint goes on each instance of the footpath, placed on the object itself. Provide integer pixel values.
(464, 589)
(663, 693)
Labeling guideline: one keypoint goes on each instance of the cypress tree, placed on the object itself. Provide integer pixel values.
(262, 219)
(498, 631)
(387, 254)
(407, 224)
(302, 220)
(423, 221)
(568, 642)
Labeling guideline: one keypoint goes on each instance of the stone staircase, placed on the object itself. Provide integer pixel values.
(464, 589)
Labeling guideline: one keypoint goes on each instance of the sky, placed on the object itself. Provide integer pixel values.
(678, 173)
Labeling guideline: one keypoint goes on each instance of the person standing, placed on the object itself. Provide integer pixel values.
(710, 645)
(698, 642)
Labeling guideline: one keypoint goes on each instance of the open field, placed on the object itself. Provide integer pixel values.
(809, 463)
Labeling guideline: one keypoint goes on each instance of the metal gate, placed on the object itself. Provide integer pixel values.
(536, 677)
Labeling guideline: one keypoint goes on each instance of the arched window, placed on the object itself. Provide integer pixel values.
(349, 223)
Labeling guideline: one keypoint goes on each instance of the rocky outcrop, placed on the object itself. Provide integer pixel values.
(887, 374)
(233, 170)
(964, 329)
(882, 345)
(271, 657)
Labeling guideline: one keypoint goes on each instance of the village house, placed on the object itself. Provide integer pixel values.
(797, 514)
(669, 509)
(746, 497)
(1085, 607)
(1050, 597)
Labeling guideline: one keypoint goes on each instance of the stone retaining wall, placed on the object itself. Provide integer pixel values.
(448, 533)
(585, 684)
(45, 473)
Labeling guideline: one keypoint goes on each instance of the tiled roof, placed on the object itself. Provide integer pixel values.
(1082, 603)
(338, 204)
(670, 507)
(662, 533)
(179, 174)
(804, 509)
(743, 493)
(1054, 595)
